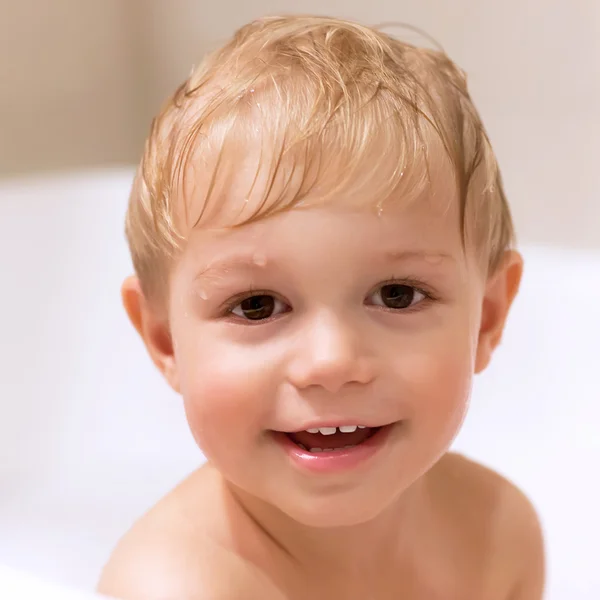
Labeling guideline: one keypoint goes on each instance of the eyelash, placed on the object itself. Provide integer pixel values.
(236, 300)
(413, 282)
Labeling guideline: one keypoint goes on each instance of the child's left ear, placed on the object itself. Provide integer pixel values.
(500, 291)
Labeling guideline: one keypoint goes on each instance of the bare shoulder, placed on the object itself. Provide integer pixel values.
(502, 519)
(167, 555)
(154, 565)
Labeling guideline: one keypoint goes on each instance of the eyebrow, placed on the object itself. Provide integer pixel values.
(247, 262)
(222, 267)
(406, 255)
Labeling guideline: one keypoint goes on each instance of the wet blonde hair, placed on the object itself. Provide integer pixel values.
(320, 98)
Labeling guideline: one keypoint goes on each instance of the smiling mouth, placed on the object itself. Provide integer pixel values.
(333, 439)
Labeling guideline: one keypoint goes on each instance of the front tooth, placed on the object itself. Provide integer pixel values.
(348, 428)
(362, 426)
(327, 430)
(312, 430)
(316, 449)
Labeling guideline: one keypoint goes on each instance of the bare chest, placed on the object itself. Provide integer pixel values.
(455, 578)
(394, 590)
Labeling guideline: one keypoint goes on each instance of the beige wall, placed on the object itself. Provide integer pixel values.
(68, 85)
(80, 80)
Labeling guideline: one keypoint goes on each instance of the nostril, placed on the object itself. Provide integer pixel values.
(330, 364)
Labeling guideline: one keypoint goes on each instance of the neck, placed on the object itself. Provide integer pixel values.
(382, 542)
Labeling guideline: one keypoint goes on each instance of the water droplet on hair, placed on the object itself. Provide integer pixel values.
(379, 209)
(259, 259)
(252, 91)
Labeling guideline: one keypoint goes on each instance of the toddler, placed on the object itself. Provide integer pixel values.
(324, 258)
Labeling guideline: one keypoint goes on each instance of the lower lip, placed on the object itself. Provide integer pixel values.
(338, 461)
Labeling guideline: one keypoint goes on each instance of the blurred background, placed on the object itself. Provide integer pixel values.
(90, 436)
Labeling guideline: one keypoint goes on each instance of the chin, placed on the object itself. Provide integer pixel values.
(338, 510)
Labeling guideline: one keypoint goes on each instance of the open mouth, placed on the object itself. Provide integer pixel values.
(333, 439)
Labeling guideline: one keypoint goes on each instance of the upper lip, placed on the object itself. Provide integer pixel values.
(338, 423)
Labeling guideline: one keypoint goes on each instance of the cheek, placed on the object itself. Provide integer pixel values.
(436, 382)
(438, 378)
(227, 391)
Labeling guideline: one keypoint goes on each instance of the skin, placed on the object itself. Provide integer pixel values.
(412, 522)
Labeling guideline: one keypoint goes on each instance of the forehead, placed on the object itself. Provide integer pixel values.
(425, 224)
(310, 236)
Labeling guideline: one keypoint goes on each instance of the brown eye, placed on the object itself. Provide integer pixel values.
(257, 308)
(397, 296)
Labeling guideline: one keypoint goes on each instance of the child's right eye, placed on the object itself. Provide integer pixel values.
(258, 307)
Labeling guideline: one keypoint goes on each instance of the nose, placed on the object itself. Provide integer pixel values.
(330, 353)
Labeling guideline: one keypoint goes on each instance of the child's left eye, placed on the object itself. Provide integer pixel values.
(397, 296)
(258, 307)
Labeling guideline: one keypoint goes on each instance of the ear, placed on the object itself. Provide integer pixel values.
(500, 291)
(153, 327)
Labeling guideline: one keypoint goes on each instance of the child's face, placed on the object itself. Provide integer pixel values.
(354, 318)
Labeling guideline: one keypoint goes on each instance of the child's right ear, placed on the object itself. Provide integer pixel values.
(153, 327)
